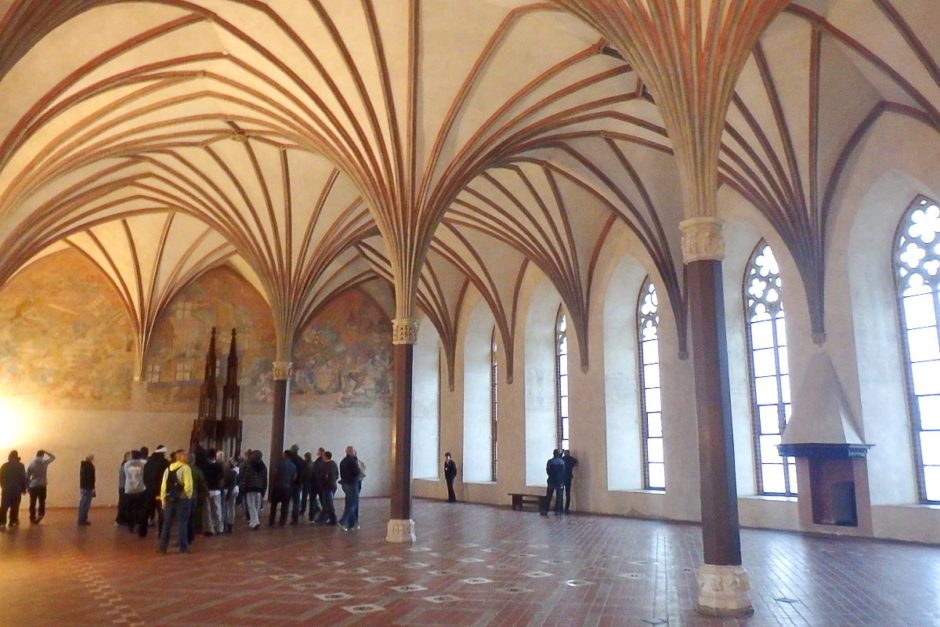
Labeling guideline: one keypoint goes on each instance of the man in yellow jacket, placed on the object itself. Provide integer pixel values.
(176, 495)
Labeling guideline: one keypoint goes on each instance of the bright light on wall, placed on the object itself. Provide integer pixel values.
(14, 423)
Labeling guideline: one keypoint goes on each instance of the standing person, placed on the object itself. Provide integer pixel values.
(86, 488)
(230, 495)
(121, 516)
(176, 495)
(37, 473)
(555, 469)
(450, 473)
(329, 473)
(252, 484)
(570, 463)
(154, 469)
(307, 498)
(315, 490)
(13, 485)
(285, 478)
(350, 477)
(200, 493)
(297, 486)
(135, 493)
(215, 478)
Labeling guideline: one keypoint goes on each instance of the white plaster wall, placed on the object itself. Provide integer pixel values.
(477, 396)
(369, 431)
(425, 444)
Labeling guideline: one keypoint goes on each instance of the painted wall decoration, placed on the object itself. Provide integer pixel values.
(65, 337)
(342, 359)
(222, 299)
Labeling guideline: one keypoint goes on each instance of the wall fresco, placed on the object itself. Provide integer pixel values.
(176, 363)
(342, 359)
(65, 337)
(66, 340)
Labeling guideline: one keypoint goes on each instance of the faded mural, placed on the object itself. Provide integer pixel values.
(176, 361)
(66, 340)
(342, 359)
(65, 336)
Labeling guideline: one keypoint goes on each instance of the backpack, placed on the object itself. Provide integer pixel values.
(174, 487)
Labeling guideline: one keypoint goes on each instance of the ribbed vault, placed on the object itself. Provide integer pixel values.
(439, 146)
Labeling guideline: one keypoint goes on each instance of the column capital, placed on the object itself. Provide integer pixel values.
(702, 239)
(281, 370)
(723, 590)
(404, 331)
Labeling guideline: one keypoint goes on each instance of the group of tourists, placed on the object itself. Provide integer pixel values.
(199, 492)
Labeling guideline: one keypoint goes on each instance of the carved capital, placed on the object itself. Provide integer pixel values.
(723, 590)
(400, 531)
(404, 331)
(702, 239)
(281, 370)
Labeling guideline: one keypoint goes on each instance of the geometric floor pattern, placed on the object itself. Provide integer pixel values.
(472, 565)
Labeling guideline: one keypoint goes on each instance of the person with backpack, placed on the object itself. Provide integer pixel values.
(135, 493)
(176, 495)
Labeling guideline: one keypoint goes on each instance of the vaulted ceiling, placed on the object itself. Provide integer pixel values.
(440, 145)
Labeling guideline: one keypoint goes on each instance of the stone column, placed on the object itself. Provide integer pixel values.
(723, 583)
(401, 528)
(281, 374)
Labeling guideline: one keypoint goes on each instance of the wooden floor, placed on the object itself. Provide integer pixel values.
(472, 565)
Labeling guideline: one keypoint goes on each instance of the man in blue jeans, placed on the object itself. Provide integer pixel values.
(86, 487)
(350, 475)
(177, 498)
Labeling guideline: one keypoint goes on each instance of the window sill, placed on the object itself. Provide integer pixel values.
(639, 491)
(432, 479)
(480, 482)
(922, 506)
(768, 497)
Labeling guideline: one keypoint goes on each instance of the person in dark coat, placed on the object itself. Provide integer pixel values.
(570, 463)
(13, 485)
(296, 489)
(450, 473)
(315, 502)
(285, 476)
(252, 484)
(154, 469)
(329, 474)
(350, 476)
(555, 469)
(86, 487)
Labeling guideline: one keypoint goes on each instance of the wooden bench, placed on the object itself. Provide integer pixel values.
(519, 501)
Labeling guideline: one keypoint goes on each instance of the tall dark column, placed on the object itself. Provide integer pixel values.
(404, 334)
(281, 376)
(723, 583)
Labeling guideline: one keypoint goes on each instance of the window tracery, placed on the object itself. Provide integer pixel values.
(654, 469)
(769, 370)
(917, 272)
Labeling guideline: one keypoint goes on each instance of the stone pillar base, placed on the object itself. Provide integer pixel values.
(723, 591)
(400, 531)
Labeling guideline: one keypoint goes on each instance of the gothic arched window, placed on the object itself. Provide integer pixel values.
(917, 270)
(494, 402)
(561, 378)
(647, 316)
(770, 374)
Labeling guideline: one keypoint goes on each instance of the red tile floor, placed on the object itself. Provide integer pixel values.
(472, 565)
